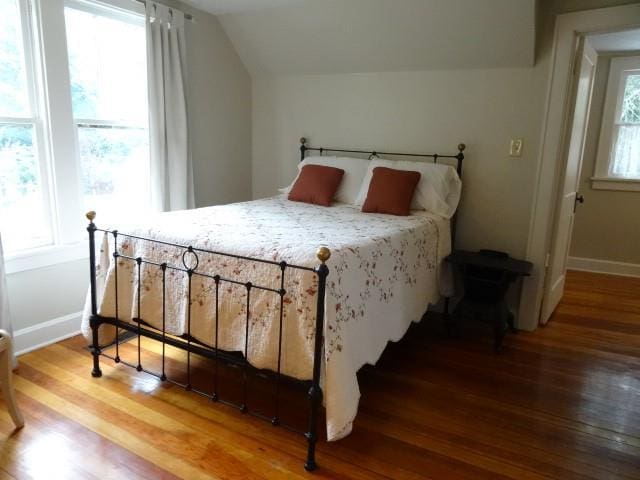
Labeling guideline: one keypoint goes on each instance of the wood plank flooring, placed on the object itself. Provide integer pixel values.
(562, 403)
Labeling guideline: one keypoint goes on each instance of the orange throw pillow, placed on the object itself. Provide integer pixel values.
(316, 184)
(391, 191)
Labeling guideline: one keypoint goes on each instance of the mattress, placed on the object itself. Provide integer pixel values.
(384, 271)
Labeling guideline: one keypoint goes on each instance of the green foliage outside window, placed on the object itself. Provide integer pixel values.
(631, 100)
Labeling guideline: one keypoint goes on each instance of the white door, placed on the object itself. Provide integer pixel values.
(568, 196)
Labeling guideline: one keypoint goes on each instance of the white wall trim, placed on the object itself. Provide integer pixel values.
(604, 266)
(46, 333)
(620, 184)
(567, 29)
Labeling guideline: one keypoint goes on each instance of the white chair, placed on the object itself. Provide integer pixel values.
(6, 364)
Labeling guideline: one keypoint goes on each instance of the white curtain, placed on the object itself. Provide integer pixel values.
(171, 168)
(626, 152)
(5, 317)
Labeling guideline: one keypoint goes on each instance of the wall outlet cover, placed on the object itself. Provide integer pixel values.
(515, 149)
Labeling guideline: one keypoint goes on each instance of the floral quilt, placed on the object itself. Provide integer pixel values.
(384, 271)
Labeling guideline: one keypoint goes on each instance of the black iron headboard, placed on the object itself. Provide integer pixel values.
(374, 153)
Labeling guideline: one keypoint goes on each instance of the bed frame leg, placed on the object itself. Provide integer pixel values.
(94, 321)
(315, 392)
(95, 348)
(315, 395)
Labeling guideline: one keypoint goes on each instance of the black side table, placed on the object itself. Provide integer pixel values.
(486, 275)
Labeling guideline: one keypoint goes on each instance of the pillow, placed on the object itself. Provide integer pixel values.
(390, 191)
(354, 172)
(316, 184)
(437, 192)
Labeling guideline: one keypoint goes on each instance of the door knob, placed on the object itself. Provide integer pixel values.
(579, 199)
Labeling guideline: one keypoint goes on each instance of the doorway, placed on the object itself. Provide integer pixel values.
(602, 166)
(556, 131)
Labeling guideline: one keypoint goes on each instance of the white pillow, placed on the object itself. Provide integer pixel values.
(354, 172)
(438, 190)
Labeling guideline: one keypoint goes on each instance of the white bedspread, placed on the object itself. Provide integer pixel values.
(383, 273)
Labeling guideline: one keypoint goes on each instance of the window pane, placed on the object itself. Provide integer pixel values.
(107, 64)
(626, 153)
(14, 100)
(23, 219)
(631, 100)
(115, 171)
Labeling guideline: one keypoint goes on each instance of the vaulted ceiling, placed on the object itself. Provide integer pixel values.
(218, 7)
(349, 36)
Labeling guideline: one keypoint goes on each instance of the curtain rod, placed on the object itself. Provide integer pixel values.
(188, 16)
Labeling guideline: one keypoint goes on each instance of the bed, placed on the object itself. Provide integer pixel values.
(301, 291)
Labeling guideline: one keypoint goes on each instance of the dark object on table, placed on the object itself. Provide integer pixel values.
(486, 275)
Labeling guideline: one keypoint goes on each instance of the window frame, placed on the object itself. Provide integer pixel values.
(57, 129)
(35, 118)
(121, 11)
(602, 178)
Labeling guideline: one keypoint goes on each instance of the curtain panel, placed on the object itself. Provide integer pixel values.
(171, 167)
(626, 153)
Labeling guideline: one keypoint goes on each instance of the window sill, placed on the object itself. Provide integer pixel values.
(620, 184)
(45, 257)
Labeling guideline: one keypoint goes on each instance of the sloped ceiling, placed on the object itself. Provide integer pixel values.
(350, 36)
(218, 7)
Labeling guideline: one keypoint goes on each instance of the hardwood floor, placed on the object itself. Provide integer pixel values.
(563, 402)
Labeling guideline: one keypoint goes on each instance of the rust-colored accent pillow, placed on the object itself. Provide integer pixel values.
(391, 191)
(316, 184)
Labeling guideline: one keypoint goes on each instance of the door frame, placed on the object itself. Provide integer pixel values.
(555, 128)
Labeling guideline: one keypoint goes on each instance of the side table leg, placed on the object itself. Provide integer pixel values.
(499, 326)
(450, 323)
(510, 322)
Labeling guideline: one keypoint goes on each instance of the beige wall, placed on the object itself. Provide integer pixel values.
(219, 115)
(220, 125)
(36, 296)
(429, 111)
(607, 225)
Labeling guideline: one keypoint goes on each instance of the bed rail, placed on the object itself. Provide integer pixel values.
(190, 267)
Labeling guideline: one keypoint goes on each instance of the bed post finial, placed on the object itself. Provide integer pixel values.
(323, 254)
(460, 156)
(91, 215)
(303, 140)
(303, 147)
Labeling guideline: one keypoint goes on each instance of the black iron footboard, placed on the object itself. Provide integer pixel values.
(190, 262)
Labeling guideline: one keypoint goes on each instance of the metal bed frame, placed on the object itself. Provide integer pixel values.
(189, 267)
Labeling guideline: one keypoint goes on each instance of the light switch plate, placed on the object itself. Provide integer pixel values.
(515, 149)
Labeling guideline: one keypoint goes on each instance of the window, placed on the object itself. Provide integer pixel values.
(625, 160)
(81, 143)
(107, 66)
(24, 192)
(618, 161)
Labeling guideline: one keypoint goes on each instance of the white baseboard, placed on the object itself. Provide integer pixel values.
(604, 266)
(46, 333)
